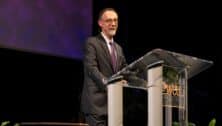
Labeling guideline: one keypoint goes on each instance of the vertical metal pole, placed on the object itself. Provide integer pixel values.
(168, 113)
(183, 112)
(155, 105)
(115, 104)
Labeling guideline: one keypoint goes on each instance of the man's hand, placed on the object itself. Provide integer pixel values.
(124, 82)
(114, 79)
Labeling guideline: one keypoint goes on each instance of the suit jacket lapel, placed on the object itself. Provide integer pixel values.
(106, 50)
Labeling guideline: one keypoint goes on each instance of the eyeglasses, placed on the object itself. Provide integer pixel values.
(115, 20)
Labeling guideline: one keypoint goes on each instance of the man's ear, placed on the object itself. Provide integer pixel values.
(100, 23)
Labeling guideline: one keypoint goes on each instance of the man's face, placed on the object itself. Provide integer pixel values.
(109, 23)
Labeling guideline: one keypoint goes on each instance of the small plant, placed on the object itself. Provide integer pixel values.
(5, 123)
(170, 75)
(212, 122)
(177, 124)
(8, 123)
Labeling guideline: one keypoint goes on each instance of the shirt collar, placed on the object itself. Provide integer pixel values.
(106, 38)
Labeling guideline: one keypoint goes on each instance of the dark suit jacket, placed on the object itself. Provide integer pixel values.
(97, 65)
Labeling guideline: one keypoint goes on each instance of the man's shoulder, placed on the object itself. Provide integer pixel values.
(94, 39)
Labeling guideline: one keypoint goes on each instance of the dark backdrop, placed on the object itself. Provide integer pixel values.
(49, 88)
(185, 27)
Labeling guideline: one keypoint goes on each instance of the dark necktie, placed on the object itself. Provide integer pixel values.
(113, 56)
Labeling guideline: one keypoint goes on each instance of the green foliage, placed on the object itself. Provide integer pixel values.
(5, 123)
(8, 123)
(170, 75)
(212, 122)
(177, 124)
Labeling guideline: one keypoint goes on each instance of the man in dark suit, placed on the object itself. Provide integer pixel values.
(103, 58)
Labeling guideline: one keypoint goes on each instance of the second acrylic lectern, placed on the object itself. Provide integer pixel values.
(164, 75)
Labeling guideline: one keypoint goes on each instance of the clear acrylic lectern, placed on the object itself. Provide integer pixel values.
(164, 75)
